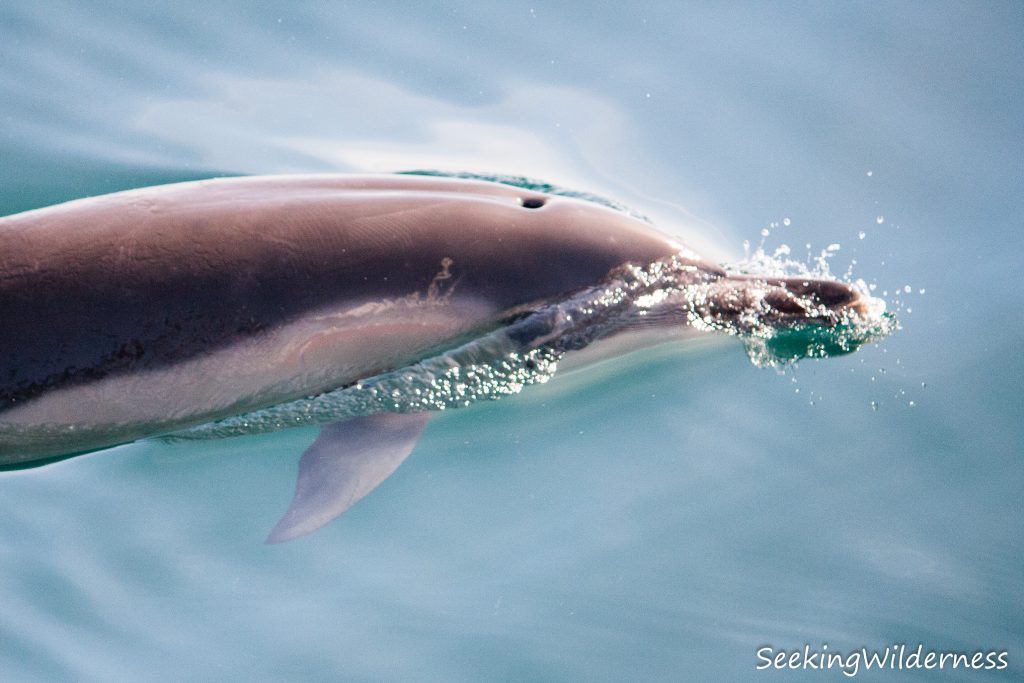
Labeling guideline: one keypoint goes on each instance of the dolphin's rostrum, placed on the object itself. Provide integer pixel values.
(158, 310)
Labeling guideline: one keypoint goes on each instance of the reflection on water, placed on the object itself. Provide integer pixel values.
(655, 518)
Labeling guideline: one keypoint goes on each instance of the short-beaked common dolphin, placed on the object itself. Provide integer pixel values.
(149, 311)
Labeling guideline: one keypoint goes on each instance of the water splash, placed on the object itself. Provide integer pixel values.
(435, 384)
(768, 345)
(777, 347)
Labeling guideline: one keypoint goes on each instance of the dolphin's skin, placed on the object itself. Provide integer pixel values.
(147, 311)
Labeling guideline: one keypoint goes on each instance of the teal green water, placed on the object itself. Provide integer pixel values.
(659, 517)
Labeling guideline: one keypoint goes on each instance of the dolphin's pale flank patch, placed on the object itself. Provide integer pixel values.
(359, 303)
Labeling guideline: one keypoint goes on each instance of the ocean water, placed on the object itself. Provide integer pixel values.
(659, 517)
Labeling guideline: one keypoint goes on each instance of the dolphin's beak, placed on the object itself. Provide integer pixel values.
(836, 297)
(788, 301)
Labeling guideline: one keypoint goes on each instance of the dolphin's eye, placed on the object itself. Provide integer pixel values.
(532, 202)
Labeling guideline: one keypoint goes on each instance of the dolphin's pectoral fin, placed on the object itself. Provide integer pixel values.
(347, 461)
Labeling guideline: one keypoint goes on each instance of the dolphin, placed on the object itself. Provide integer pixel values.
(152, 311)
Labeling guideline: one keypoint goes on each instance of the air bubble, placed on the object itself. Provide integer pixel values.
(861, 235)
(880, 219)
(786, 222)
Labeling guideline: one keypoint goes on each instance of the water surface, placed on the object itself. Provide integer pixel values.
(659, 517)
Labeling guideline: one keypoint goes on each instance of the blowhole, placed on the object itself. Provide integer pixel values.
(532, 202)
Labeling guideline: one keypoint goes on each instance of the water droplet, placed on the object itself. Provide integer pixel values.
(647, 95)
(921, 291)
(907, 288)
(911, 404)
(874, 405)
(880, 219)
(785, 221)
(764, 232)
(861, 235)
(870, 173)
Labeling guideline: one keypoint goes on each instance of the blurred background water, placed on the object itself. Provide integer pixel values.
(656, 518)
